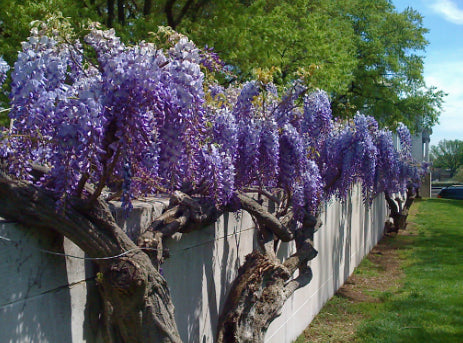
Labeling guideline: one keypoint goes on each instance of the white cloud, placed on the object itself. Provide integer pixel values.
(449, 9)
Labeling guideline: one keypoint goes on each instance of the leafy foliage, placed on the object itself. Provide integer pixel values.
(448, 154)
(459, 174)
(365, 54)
(387, 81)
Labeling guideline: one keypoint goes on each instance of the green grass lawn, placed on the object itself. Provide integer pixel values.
(427, 305)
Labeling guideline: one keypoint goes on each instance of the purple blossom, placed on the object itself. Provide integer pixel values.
(286, 110)
(247, 161)
(211, 60)
(348, 155)
(308, 194)
(269, 153)
(137, 108)
(405, 139)
(292, 156)
(225, 132)
(387, 166)
(218, 175)
(317, 120)
(244, 109)
(139, 120)
(4, 67)
(216, 90)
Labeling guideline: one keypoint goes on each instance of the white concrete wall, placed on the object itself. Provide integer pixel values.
(44, 297)
(349, 232)
(47, 298)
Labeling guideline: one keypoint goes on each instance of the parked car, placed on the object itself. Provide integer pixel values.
(451, 192)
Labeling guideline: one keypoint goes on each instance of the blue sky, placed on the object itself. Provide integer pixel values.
(443, 59)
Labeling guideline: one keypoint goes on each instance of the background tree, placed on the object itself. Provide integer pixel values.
(459, 174)
(16, 18)
(295, 38)
(388, 79)
(364, 53)
(447, 154)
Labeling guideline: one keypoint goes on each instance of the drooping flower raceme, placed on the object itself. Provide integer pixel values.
(4, 67)
(249, 128)
(317, 120)
(269, 153)
(45, 83)
(405, 139)
(348, 155)
(387, 166)
(286, 110)
(410, 171)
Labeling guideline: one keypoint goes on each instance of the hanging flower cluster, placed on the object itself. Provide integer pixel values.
(4, 67)
(143, 121)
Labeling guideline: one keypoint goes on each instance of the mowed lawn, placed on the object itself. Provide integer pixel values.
(422, 303)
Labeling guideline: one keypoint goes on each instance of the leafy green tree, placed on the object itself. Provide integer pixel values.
(448, 154)
(459, 174)
(297, 37)
(388, 80)
(16, 18)
(364, 53)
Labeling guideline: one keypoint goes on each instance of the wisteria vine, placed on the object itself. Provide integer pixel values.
(140, 120)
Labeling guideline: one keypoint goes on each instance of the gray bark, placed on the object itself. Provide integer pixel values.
(264, 284)
(398, 210)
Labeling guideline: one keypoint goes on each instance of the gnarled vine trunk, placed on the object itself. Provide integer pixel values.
(398, 209)
(137, 303)
(264, 283)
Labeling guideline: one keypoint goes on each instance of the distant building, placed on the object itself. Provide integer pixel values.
(420, 145)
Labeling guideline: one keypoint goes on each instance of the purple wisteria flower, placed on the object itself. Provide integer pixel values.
(137, 117)
(387, 166)
(141, 121)
(317, 119)
(4, 67)
(348, 155)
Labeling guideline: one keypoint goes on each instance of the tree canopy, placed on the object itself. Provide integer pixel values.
(363, 53)
(448, 154)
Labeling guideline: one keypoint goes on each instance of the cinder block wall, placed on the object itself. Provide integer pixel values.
(49, 298)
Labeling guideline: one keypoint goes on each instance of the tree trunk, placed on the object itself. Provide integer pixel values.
(121, 12)
(147, 7)
(173, 20)
(398, 210)
(137, 303)
(262, 287)
(110, 7)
